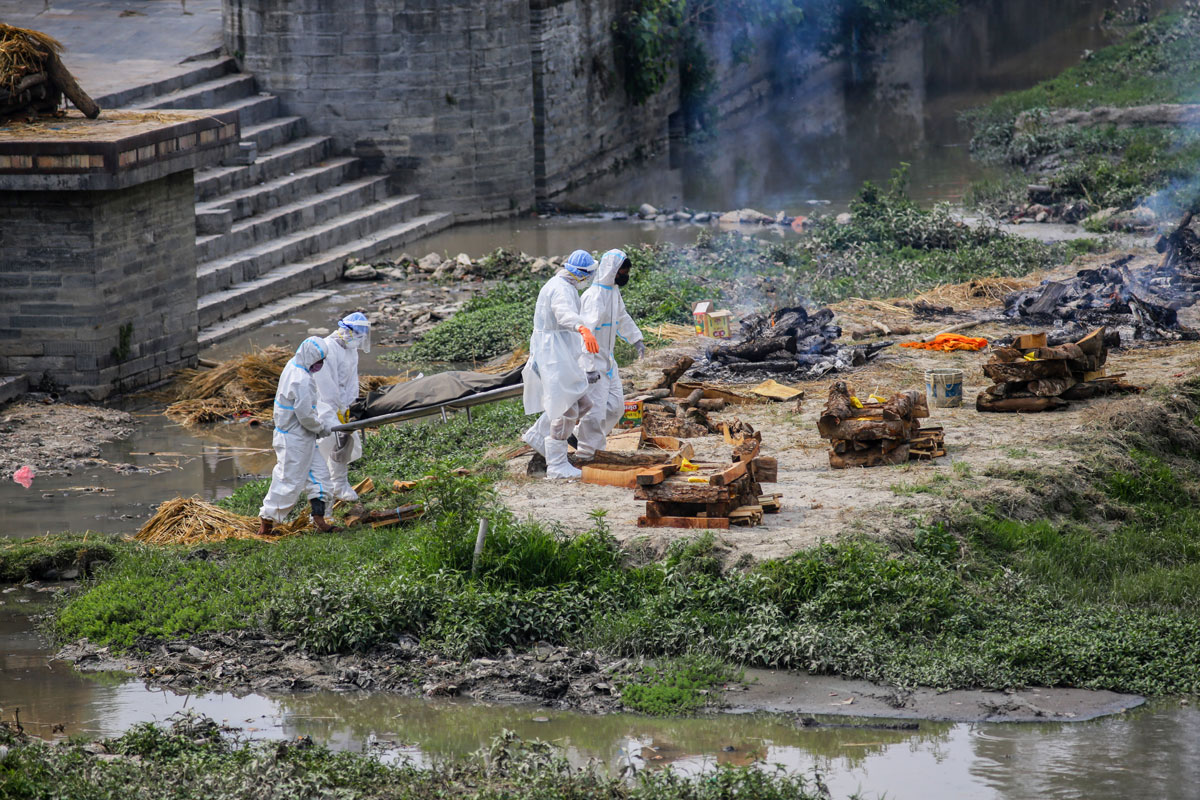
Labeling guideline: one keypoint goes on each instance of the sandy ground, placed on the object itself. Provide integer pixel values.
(822, 504)
(57, 438)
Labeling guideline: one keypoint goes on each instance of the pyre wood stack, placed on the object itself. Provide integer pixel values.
(875, 434)
(1030, 376)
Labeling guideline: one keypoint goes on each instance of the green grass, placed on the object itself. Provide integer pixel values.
(1102, 165)
(191, 759)
(676, 686)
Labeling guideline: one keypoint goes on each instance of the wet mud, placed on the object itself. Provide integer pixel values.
(59, 438)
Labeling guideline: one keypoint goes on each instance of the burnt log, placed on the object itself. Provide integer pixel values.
(1048, 301)
(754, 350)
(780, 365)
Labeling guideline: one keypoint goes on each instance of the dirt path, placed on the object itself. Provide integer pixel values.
(822, 504)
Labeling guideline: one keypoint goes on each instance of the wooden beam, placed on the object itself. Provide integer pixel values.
(653, 475)
(718, 523)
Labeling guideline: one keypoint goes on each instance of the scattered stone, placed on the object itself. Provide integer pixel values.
(845, 218)
(361, 273)
(620, 215)
(745, 216)
(443, 271)
(463, 260)
(661, 218)
(430, 262)
(647, 211)
(703, 216)
(539, 265)
(681, 216)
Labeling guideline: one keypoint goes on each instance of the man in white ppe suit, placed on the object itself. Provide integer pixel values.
(604, 312)
(555, 379)
(298, 426)
(337, 389)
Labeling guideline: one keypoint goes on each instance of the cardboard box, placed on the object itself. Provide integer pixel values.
(720, 324)
(700, 312)
(632, 417)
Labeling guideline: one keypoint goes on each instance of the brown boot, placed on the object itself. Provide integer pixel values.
(324, 526)
(265, 526)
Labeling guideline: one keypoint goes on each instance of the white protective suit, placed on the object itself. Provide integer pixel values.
(298, 425)
(554, 377)
(337, 389)
(604, 312)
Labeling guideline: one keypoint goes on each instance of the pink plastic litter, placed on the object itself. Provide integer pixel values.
(24, 476)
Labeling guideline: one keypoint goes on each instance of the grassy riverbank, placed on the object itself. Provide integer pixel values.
(193, 758)
(1102, 165)
(1090, 582)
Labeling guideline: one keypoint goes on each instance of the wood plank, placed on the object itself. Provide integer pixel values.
(717, 523)
(608, 475)
(653, 475)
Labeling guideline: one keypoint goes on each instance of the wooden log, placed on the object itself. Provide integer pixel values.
(867, 429)
(640, 458)
(774, 365)
(692, 399)
(765, 469)
(1093, 343)
(869, 458)
(676, 489)
(684, 388)
(609, 475)
(754, 350)
(674, 372)
(719, 523)
(652, 394)
(837, 408)
(729, 475)
(659, 424)
(1029, 341)
(1020, 405)
(1048, 300)
(1023, 371)
(1051, 387)
(906, 405)
(1062, 352)
(653, 475)
(64, 80)
(717, 404)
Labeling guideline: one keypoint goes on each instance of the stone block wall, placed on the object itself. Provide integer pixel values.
(584, 123)
(98, 288)
(436, 92)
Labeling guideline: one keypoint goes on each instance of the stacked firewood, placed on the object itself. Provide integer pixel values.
(872, 434)
(1030, 376)
(33, 78)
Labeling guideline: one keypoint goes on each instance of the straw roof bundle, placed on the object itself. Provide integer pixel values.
(190, 520)
(23, 52)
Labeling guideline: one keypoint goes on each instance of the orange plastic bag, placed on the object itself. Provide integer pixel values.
(949, 341)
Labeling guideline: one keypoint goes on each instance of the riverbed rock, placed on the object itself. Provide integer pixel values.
(539, 266)
(703, 216)
(362, 272)
(647, 211)
(443, 271)
(463, 260)
(430, 262)
(845, 218)
(681, 216)
(745, 216)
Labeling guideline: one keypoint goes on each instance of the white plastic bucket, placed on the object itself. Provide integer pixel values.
(944, 387)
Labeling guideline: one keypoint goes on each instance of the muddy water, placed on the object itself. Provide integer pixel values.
(1148, 752)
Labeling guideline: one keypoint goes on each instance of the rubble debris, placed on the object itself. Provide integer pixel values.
(1141, 304)
(788, 343)
(1047, 378)
(873, 434)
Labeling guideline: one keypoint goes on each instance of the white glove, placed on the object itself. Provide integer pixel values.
(593, 377)
(640, 346)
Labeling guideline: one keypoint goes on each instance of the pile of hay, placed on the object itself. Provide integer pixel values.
(190, 520)
(242, 387)
(22, 53)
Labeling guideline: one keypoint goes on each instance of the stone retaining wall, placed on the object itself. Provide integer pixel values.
(79, 268)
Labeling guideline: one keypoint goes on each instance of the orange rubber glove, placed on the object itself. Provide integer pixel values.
(589, 340)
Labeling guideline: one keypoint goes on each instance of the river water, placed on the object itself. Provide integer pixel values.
(810, 151)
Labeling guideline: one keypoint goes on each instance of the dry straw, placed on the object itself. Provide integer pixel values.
(22, 52)
(191, 521)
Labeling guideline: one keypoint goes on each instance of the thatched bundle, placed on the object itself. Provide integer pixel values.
(23, 53)
(242, 387)
(190, 520)
(33, 78)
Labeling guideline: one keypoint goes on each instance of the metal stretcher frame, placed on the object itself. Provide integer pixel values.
(491, 396)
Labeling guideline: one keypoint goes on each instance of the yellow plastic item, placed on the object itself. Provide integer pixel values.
(343, 416)
(697, 479)
(1030, 357)
(687, 466)
(874, 398)
(854, 401)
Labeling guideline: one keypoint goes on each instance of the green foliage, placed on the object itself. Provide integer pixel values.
(192, 760)
(676, 686)
(24, 560)
(501, 320)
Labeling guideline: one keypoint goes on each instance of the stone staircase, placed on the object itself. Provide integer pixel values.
(272, 230)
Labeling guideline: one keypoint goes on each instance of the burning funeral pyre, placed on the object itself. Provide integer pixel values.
(1033, 376)
(875, 433)
(1138, 304)
(788, 343)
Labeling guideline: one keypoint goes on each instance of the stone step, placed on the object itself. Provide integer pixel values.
(205, 70)
(289, 278)
(216, 93)
(274, 132)
(12, 387)
(287, 189)
(279, 161)
(256, 318)
(300, 215)
(255, 109)
(248, 264)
